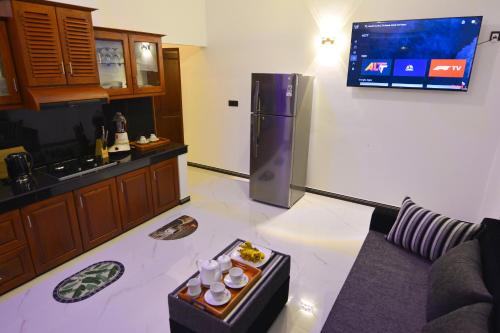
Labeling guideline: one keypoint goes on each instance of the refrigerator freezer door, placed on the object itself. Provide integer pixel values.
(271, 158)
(274, 94)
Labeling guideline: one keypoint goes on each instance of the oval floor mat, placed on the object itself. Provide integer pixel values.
(88, 281)
(179, 228)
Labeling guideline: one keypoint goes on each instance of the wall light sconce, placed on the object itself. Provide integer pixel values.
(327, 41)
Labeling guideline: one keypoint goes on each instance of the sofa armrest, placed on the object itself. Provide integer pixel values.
(383, 219)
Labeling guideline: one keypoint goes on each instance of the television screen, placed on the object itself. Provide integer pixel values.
(420, 54)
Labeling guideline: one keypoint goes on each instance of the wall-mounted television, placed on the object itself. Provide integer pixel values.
(433, 53)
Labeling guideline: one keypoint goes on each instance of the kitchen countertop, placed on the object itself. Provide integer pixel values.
(45, 186)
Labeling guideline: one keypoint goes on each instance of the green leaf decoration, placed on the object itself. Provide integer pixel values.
(79, 291)
(69, 285)
(112, 272)
(91, 287)
(90, 279)
(65, 291)
(97, 271)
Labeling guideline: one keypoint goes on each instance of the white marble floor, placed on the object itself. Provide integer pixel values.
(322, 235)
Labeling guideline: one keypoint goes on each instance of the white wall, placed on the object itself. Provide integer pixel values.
(183, 21)
(378, 145)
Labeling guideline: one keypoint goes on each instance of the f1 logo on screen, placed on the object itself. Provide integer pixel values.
(448, 68)
(376, 67)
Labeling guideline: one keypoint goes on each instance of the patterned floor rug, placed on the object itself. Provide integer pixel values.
(179, 228)
(88, 281)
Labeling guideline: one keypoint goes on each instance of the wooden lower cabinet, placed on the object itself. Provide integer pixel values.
(165, 182)
(48, 233)
(15, 268)
(98, 213)
(11, 231)
(135, 197)
(52, 229)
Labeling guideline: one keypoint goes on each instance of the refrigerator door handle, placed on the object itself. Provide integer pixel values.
(257, 137)
(256, 97)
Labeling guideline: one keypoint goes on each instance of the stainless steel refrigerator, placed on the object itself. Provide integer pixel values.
(281, 121)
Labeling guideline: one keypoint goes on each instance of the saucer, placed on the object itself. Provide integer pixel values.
(228, 282)
(212, 301)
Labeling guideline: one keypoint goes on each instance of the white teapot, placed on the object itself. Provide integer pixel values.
(210, 271)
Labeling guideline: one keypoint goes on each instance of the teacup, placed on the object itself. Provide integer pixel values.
(194, 286)
(225, 262)
(218, 290)
(236, 275)
(153, 137)
(142, 139)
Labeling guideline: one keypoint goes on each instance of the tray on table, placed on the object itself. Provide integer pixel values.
(150, 145)
(253, 274)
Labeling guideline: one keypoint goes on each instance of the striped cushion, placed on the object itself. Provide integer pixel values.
(426, 233)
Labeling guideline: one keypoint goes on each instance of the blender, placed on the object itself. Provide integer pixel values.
(121, 137)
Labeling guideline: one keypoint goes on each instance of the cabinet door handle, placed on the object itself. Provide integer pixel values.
(71, 69)
(63, 69)
(121, 185)
(81, 201)
(29, 222)
(15, 84)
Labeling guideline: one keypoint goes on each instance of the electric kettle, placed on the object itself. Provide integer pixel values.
(19, 167)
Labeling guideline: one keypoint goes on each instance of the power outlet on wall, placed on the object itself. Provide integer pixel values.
(495, 36)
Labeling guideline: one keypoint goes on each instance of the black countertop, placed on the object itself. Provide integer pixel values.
(45, 186)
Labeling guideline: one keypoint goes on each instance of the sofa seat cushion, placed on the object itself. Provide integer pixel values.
(385, 291)
(456, 280)
(468, 319)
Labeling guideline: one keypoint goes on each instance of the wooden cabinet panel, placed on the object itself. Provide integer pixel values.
(15, 268)
(78, 46)
(165, 185)
(168, 107)
(38, 40)
(147, 64)
(115, 69)
(11, 231)
(135, 197)
(52, 230)
(9, 92)
(98, 213)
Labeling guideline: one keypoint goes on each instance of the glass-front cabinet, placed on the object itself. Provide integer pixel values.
(113, 59)
(9, 92)
(130, 63)
(147, 60)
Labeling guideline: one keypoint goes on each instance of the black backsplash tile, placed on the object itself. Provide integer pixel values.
(60, 134)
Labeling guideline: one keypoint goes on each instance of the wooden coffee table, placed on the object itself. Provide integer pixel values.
(254, 313)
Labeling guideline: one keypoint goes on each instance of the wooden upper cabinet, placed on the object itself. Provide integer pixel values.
(40, 47)
(78, 48)
(52, 230)
(147, 63)
(113, 59)
(9, 92)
